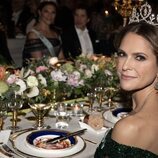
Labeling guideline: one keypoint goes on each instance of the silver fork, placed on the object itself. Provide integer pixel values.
(6, 153)
(9, 150)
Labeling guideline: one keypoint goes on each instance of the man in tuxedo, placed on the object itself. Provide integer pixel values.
(78, 39)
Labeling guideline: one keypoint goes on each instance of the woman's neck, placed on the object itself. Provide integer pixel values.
(140, 98)
(43, 27)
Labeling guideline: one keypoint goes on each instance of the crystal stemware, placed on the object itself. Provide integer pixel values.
(62, 116)
(40, 110)
(3, 113)
(110, 93)
(99, 96)
(15, 105)
(91, 98)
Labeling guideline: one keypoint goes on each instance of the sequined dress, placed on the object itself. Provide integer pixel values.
(108, 148)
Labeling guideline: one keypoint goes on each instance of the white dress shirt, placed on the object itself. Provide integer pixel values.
(85, 41)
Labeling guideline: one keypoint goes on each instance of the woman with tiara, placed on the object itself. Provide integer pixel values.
(44, 38)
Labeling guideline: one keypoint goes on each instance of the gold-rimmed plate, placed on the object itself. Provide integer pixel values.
(21, 145)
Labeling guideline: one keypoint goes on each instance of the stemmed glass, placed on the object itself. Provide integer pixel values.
(91, 98)
(39, 110)
(110, 92)
(3, 113)
(15, 104)
(99, 96)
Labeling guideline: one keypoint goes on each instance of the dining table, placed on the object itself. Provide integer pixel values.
(91, 137)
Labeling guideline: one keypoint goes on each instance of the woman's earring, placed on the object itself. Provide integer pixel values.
(156, 84)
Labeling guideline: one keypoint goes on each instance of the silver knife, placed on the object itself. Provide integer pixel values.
(63, 137)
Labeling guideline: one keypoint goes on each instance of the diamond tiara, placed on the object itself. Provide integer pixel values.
(144, 13)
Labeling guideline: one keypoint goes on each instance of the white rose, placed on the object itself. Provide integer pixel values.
(42, 80)
(88, 73)
(94, 68)
(32, 81)
(53, 61)
(107, 72)
(22, 86)
(33, 92)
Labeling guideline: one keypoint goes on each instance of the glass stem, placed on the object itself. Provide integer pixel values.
(40, 120)
(1, 123)
(14, 118)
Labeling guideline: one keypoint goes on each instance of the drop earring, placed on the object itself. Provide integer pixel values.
(156, 84)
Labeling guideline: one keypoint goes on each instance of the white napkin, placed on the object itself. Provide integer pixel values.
(110, 117)
(4, 136)
(3, 156)
(100, 131)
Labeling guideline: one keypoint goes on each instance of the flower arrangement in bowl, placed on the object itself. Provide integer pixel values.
(42, 81)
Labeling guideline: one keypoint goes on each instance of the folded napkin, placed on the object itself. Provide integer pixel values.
(4, 136)
(3, 156)
(89, 128)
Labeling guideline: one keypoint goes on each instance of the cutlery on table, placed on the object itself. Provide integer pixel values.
(5, 153)
(64, 137)
(11, 152)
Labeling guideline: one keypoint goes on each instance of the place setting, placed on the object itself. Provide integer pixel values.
(49, 143)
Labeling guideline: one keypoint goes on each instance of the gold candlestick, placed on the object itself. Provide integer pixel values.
(125, 7)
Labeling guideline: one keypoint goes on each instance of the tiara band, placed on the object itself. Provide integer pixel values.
(144, 14)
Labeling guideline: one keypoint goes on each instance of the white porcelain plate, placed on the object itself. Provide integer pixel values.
(23, 146)
(116, 114)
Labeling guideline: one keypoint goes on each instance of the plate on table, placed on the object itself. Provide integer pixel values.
(26, 143)
(36, 140)
(115, 115)
(121, 112)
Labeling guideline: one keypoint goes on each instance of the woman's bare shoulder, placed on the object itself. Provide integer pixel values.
(31, 34)
(127, 131)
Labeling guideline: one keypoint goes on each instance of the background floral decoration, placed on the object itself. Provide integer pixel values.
(49, 79)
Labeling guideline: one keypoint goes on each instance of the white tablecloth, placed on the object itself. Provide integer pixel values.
(88, 152)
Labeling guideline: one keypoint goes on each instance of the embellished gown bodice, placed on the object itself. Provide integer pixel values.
(109, 148)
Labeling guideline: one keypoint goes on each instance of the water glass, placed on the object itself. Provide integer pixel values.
(3, 113)
(77, 109)
(62, 116)
(15, 105)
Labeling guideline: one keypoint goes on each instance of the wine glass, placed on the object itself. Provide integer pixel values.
(91, 98)
(15, 104)
(39, 110)
(110, 92)
(3, 113)
(99, 96)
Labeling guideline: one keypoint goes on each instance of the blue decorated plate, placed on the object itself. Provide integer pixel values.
(121, 112)
(25, 144)
(36, 140)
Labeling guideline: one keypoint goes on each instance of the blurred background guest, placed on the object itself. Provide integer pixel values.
(33, 6)
(44, 38)
(20, 14)
(78, 39)
(64, 18)
(5, 57)
(106, 22)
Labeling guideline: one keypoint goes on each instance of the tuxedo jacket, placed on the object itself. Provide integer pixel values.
(71, 43)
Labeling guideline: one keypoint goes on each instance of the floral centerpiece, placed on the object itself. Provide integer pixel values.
(42, 81)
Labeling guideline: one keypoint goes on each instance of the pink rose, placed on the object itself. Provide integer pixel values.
(41, 68)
